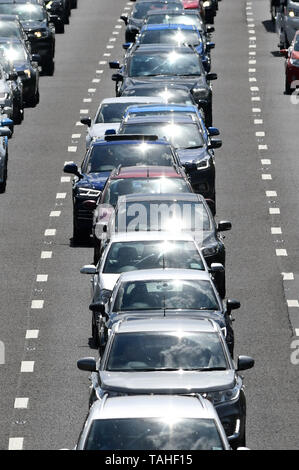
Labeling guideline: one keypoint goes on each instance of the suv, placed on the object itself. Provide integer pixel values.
(287, 22)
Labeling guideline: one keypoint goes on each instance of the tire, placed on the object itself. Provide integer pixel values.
(48, 67)
(59, 28)
(17, 114)
(3, 184)
(95, 332)
(96, 253)
(240, 442)
(209, 118)
(79, 234)
(288, 90)
(74, 3)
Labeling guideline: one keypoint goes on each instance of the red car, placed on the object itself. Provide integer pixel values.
(292, 65)
(195, 5)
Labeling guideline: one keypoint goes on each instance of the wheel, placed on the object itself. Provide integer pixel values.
(3, 184)
(17, 114)
(36, 98)
(240, 442)
(209, 117)
(59, 28)
(79, 234)
(48, 67)
(96, 253)
(288, 89)
(74, 3)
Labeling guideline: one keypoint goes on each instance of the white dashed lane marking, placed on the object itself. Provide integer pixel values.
(271, 193)
(46, 254)
(60, 195)
(37, 304)
(32, 334)
(266, 176)
(263, 147)
(27, 366)
(274, 210)
(15, 443)
(276, 230)
(50, 232)
(21, 403)
(265, 161)
(281, 252)
(42, 278)
(55, 213)
(287, 276)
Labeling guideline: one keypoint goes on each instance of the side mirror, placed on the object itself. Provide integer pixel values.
(217, 268)
(210, 45)
(124, 18)
(213, 131)
(232, 304)
(89, 269)
(127, 45)
(90, 204)
(86, 121)
(224, 226)
(211, 76)
(5, 132)
(117, 77)
(215, 144)
(87, 363)
(210, 29)
(72, 168)
(36, 58)
(13, 76)
(114, 64)
(97, 307)
(245, 363)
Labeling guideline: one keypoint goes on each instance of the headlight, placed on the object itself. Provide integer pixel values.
(207, 4)
(3, 96)
(38, 34)
(203, 164)
(292, 13)
(88, 192)
(210, 250)
(295, 62)
(224, 395)
(27, 73)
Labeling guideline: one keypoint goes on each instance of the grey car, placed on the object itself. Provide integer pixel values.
(287, 22)
(152, 423)
(173, 356)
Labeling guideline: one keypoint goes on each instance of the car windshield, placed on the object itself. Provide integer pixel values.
(153, 433)
(193, 20)
(131, 256)
(171, 63)
(161, 112)
(160, 185)
(111, 112)
(170, 36)
(25, 11)
(13, 52)
(158, 351)
(163, 215)
(167, 95)
(9, 29)
(141, 9)
(107, 157)
(179, 135)
(173, 294)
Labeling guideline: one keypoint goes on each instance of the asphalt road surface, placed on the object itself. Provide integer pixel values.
(45, 321)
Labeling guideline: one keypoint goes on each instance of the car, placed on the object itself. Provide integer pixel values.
(100, 159)
(195, 5)
(146, 422)
(109, 115)
(174, 356)
(5, 133)
(287, 22)
(171, 93)
(183, 212)
(40, 32)
(128, 180)
(167, 64)
(143, 250)
(59, 11)
(141, 9)
(185, 135)
(177, 34)
(173, 293)
(15, 84)
(26, 66)
(292, 65)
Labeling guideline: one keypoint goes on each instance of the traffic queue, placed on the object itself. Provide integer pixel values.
(166, 376)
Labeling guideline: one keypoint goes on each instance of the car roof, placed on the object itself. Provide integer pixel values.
(141, 108)
(167, 273)
(191, 197)
(165, 324)
(151, 406)
(177, 118)
(150, 236)
(158, 48)
(145, 172)
(129, 99)
(162, 26)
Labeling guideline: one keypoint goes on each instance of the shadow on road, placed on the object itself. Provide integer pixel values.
(269, 26)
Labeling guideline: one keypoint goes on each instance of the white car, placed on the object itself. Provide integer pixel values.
(110, 113)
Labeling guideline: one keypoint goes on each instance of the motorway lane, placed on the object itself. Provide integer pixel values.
(37, 153)
(254, 272)
(57, 391)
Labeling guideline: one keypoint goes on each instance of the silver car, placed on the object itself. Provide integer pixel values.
(287, 22)
(152, 423)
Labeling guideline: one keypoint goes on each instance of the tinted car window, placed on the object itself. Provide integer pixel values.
(172, 63)
(9, 29)
(179, 135)
(141, 9)
(165, 294)
(108, 157)
(25, 12)
(176, 19)
(111, 112)
(121, 187)
(170, 36)
(131, 256)
(153, 434)
(162, 216)
(181, 350)
(296, 45)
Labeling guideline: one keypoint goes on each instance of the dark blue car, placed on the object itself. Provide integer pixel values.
(101, 158)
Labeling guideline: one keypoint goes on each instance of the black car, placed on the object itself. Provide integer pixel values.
(59, 11)
(26, 66)
(40, 31)
(185, 135)
(140, 11)
(149, 64)
(101, 158)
